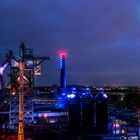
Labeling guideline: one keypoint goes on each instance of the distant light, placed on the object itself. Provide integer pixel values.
(29, 63)
(123, 131)
(14, 63)
(73, 90)
(83, 93)
(87, 88)
(63, 94)
(116, 125)
(13, 93)
(101, 89)
(116, 131)
(5, 101)
(52, 121)
(62, 53)
(35, 122)
(1, 70)
(45, 115)
(71, 95)
(105, 96)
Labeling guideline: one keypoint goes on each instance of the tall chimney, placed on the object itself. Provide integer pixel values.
(62, 56)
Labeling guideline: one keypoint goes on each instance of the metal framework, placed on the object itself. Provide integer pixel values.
(14, 109)
(22, 83)
(23, 69)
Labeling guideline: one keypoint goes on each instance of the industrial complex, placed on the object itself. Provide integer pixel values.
(53, 112)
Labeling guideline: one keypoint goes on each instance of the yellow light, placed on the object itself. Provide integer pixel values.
(123, 131)
(13, 93)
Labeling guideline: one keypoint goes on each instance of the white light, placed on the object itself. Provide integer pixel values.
(105, 96)
(13, 93)
(101, 89)
(14, 63)
(84, 93)
(87, 88)
(29, 62)
(45, 115)
(52, 121)
(71, 96)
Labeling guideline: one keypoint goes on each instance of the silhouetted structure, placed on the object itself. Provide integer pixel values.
(62, 71)
(101, 112)
(74, 117)
(88, 116)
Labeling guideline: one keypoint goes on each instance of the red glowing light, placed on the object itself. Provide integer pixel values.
(13, 91)
(63, 53)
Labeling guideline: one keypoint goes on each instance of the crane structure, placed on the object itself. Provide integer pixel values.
(23, 69)
(21, 103)
(22, 73)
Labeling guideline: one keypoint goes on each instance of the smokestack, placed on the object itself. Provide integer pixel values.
(62, 56)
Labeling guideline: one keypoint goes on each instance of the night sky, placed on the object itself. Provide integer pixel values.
(102, 38)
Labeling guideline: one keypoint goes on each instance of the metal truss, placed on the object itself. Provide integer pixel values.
(14, 111)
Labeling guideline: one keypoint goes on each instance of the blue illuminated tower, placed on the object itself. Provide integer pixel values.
(62, 56)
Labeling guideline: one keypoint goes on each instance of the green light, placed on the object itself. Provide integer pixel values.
(5, 101)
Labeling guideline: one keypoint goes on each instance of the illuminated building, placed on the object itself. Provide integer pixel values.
(62, 56)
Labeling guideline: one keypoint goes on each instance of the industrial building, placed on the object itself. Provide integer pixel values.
(75, 111)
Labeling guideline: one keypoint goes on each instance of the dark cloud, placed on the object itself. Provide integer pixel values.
(101, 37)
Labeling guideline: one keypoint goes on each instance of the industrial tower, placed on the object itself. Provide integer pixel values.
(62, 56)
(23, 69)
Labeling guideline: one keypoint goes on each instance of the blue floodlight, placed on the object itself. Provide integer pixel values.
(101, 89)
(87, 88)
(105, 96)
(83, 93)
(71, 96)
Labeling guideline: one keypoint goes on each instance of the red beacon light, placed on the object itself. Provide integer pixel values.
(13, 91)
(62, 53)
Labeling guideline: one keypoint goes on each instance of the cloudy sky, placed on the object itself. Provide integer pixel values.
(102, 38)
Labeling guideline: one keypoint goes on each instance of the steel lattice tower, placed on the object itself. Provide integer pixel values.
(23, 71)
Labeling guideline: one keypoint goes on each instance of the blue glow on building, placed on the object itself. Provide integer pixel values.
(61, 106)
(105, 96)
(101, 89)
(62, 56)
(61, 62)
(71, 96)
